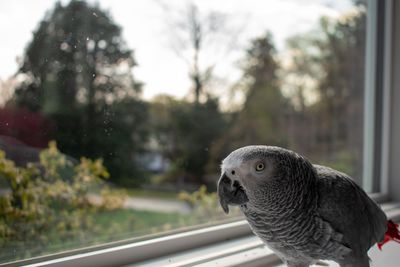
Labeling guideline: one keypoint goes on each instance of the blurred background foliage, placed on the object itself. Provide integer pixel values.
(78, 88)
(80, 91)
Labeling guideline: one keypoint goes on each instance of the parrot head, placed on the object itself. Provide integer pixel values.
(257, 175)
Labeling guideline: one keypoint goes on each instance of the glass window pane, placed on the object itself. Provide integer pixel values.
(114, 117)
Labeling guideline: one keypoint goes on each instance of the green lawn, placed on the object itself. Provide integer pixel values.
(131, 223)
(106, 226)
(152, 193)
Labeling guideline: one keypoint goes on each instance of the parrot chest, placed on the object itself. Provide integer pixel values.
(284, 232)
(290, 238)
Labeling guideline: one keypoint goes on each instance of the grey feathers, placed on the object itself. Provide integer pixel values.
(349, 209)
(303, 212)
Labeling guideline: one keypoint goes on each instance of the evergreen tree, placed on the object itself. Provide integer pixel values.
(262, 119)
(79, 73)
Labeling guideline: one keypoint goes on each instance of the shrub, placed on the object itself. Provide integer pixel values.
(52, 198)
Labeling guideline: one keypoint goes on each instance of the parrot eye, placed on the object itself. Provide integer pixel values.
(260, 166)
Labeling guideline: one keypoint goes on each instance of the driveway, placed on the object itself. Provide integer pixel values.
(157, 204)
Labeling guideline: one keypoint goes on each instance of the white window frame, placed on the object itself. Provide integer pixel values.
(144, 249)
(377, 102)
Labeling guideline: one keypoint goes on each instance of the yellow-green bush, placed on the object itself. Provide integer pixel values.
(52, 197)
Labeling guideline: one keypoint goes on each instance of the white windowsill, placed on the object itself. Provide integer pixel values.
(249, 251)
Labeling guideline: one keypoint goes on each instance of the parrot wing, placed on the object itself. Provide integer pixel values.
(357, 219)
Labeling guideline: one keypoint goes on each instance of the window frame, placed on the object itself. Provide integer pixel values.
(376, 153)
(377, 101)
(386, 101)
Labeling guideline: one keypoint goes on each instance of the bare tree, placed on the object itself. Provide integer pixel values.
(194, 36)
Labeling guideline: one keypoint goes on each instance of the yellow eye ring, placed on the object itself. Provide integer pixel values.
(260, 166)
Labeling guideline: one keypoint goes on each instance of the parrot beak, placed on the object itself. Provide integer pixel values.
(223, 189)
(230, 193)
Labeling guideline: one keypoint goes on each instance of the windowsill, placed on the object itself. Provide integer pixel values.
(140, 249)
(240, 251)
(229, 244)
(250, 251)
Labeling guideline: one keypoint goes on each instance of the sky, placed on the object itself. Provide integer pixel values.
(145, 28)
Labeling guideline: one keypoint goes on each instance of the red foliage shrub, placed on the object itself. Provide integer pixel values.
(30, 128)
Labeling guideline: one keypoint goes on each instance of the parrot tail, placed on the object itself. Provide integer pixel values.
(392, 233)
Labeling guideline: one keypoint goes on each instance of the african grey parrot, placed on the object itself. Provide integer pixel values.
(303, 212)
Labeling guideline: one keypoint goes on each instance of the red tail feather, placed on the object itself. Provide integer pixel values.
(392, 233)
